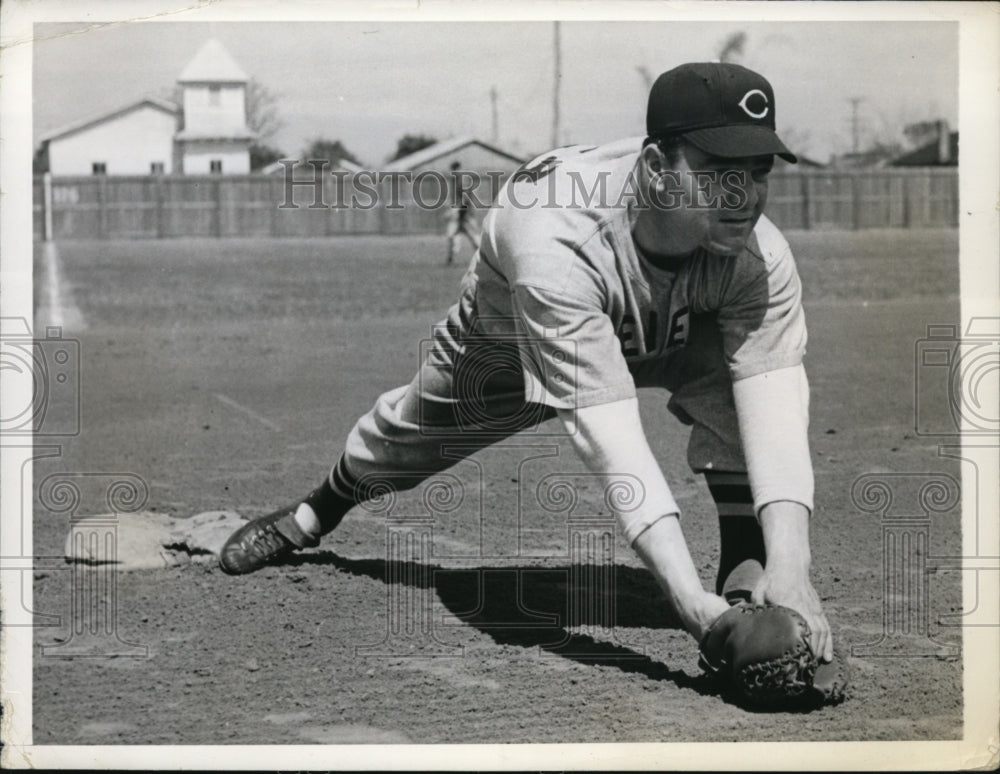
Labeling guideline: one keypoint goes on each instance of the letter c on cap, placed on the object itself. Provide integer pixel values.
(747, 110)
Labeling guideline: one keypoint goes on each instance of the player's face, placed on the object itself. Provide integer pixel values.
(736, 193)
(722, 198)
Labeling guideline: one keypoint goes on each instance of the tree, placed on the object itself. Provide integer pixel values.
(175, 94)
(646, 75)
(331, 150)
(411, 143)
(264, 121)
(262, 111)
(797, 140)
(40, 161)
(261, 155)
(732, 48)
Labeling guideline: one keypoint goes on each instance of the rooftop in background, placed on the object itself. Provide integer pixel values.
(85, 123)
(925, 144)
(277, 167)
(780, 165)
(445, 148)
(212, 64)
(936, 146)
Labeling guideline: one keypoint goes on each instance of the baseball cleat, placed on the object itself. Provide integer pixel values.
(264, 541)
(741, 581)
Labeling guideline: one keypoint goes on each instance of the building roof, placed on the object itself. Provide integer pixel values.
(443, 148)
(276, 166)
(805, 162)
(929, 154)
(212, 64)
(208, 136)
(875, 157)
(98, 118)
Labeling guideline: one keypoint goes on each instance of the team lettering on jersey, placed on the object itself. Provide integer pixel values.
(679, 326)
(644, 340)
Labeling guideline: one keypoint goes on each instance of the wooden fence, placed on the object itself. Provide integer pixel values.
(265, 205)
(858, 199)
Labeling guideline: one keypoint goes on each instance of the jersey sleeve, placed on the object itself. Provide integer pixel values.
(761, 318)
(570, 356)
(773, 412)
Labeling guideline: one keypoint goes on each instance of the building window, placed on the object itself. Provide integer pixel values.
(99, 168)
(156, 168)
(215, 166)
(214, 95)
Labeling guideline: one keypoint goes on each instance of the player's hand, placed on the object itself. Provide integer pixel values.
(793, 589)
(704, 612)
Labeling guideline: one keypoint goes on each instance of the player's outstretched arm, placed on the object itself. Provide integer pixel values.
(611, 441)
(664, 551)
(773, 411)
(786, 578)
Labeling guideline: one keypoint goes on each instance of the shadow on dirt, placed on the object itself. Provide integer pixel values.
(541, 607)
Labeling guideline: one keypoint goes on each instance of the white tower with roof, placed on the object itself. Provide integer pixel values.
(214, 138)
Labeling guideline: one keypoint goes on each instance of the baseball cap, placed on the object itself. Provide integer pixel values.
(723, 109)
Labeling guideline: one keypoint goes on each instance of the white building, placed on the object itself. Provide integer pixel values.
(137, 139)
(214, 137)
(206, 134)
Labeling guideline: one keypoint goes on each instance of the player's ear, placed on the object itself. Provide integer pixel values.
(653, 158)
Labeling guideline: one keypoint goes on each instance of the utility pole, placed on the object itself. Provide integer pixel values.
(495, 133)
(855, 123)
(557, 50)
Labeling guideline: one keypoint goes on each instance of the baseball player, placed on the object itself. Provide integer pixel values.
(643, 263)
(460, 220)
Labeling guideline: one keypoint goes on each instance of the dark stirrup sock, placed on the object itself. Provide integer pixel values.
(331, 504)
(740, 537)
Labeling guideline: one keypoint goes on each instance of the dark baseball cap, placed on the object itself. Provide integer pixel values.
(722, 109)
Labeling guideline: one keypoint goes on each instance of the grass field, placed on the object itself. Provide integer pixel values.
(226, 374)
(204, 282)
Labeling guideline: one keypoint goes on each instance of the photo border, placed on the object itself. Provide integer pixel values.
(979, 124)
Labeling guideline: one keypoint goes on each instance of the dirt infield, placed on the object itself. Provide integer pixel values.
(225, 375)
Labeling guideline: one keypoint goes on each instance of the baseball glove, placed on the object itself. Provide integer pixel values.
(761, 654)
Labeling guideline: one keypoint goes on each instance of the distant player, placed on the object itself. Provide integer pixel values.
(637, 264)
(461, 221)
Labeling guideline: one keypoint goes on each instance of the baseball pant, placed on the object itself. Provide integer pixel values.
(457, 228)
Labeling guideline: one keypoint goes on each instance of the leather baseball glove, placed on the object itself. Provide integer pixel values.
(761, 654)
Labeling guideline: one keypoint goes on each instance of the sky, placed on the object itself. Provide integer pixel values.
(369, 83)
